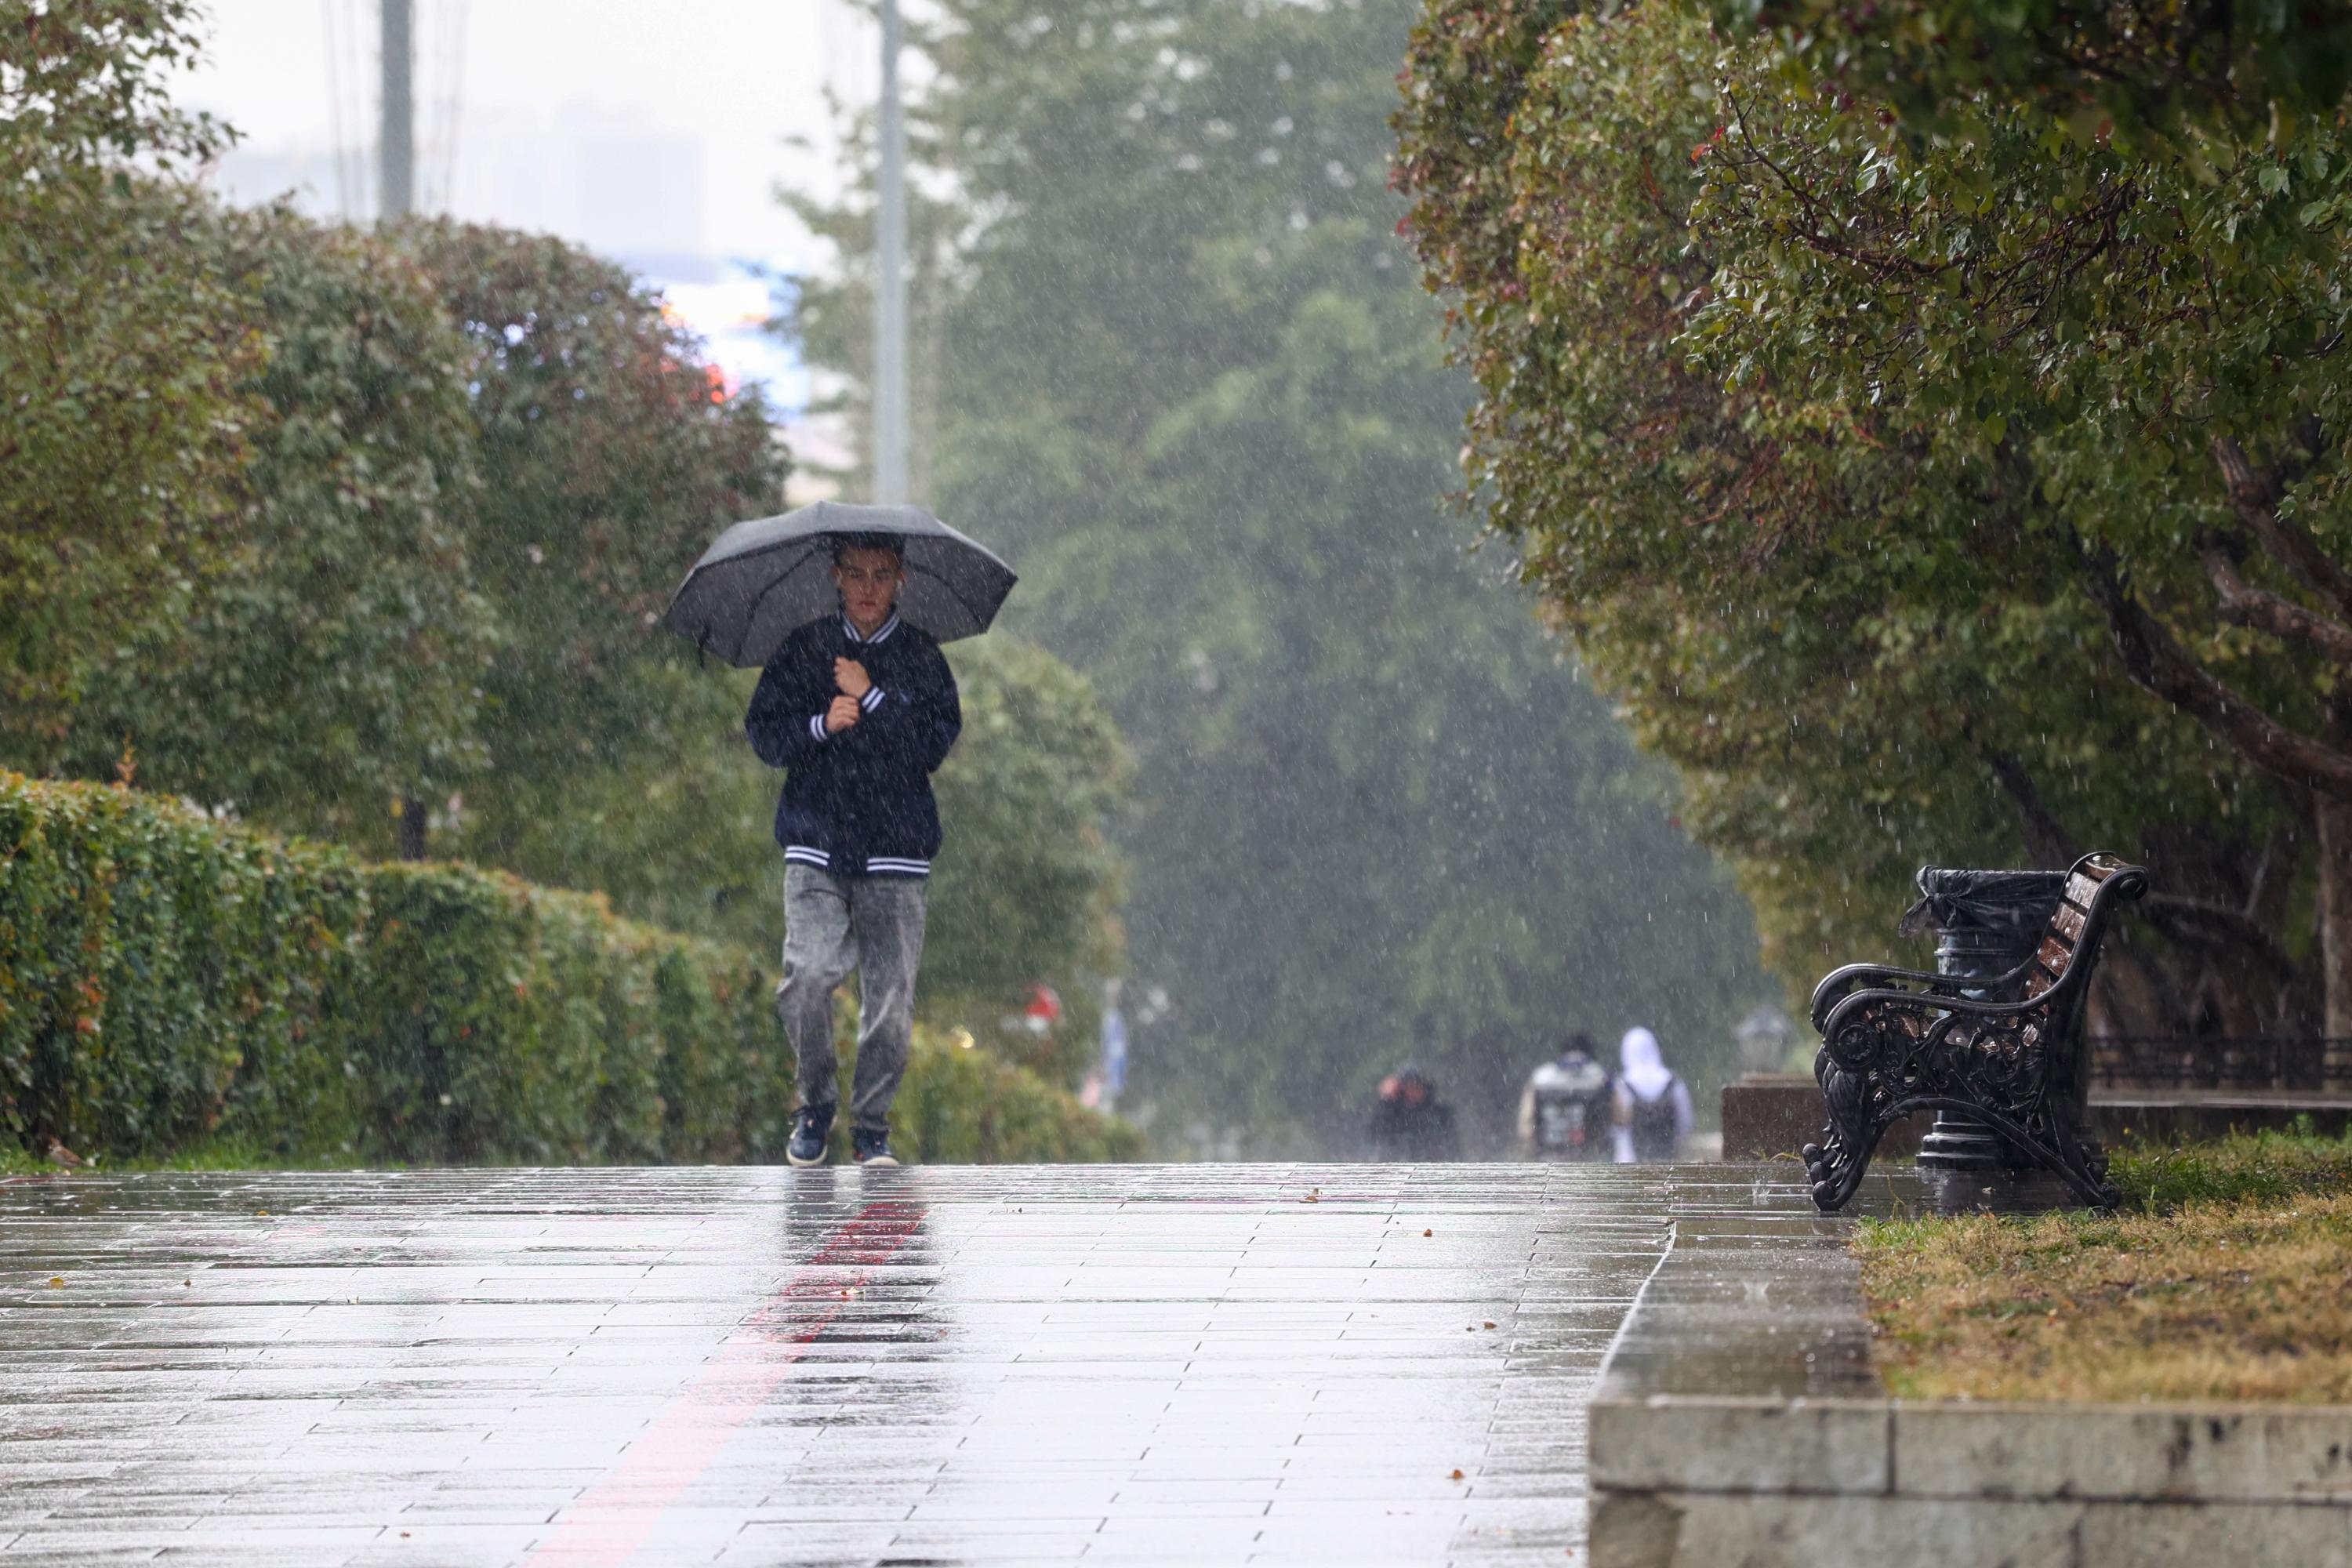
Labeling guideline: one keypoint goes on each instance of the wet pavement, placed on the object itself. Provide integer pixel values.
(1197, 1364)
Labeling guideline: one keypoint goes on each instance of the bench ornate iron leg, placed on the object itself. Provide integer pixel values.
(1836, 1164)
(1889, 1056)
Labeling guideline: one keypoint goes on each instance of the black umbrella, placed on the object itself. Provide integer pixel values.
(766, 578)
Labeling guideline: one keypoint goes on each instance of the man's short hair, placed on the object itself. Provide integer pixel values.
(843, 543)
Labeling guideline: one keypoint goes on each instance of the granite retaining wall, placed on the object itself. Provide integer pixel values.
(1740, 1422)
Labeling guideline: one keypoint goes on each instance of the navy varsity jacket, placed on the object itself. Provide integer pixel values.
(859, 803)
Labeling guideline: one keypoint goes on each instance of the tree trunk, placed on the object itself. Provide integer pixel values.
(2046, 838)
(2336, 921)
(412, 828)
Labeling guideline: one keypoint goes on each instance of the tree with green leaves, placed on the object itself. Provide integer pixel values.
(2115, 364)
(329, 661)
(610, 456)
(1891, 447)
(1181, 374)
(125, 364)
(2128, 76)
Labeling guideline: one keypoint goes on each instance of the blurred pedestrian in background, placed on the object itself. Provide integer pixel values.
(1569, 1107)
(1409, 1122)
(1654, 1106)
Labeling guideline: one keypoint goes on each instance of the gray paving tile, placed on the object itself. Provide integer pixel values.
(1183, 1363)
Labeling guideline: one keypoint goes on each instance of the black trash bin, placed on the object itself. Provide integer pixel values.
(1987, 923)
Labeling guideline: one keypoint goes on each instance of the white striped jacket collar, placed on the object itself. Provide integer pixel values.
(881, 633)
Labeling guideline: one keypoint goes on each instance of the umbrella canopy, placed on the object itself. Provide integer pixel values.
(766, 578)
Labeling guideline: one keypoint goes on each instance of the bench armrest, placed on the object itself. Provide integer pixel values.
(1839, 983)
(1836, 984)
(1925, 1004)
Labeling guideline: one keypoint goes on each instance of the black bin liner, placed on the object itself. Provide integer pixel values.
(1988, 922)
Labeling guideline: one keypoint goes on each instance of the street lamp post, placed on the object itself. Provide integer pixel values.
(396, 137)
(889, 455)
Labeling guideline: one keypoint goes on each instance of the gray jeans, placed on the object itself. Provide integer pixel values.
(832, 925)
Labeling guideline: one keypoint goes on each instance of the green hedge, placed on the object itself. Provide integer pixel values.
(166, 979)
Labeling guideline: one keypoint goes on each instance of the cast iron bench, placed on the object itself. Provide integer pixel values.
(2005, 1049)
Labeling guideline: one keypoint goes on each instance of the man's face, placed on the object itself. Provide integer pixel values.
(868, 579)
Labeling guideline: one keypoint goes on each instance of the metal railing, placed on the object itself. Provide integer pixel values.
(2250, 1062)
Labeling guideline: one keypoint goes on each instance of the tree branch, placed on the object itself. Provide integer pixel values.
(2254, 496)
(2242, 604)
(2045, 836)
(2233, 925)
(2157, 662)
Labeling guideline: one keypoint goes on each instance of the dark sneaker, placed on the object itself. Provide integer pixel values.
(809, 1133)
(871, 1148)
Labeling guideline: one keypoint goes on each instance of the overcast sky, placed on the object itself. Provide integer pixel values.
(738, 77)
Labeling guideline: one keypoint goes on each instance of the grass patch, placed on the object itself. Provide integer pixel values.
(2260, 1166)
(2228, 1275)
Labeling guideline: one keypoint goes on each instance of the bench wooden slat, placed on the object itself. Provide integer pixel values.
(2069, 921)
(2081, 890)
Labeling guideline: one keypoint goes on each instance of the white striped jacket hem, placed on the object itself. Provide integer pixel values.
(876, 865)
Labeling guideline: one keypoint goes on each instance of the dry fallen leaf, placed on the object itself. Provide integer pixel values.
(57, 1281)
(1429, 1233)
(1485, 1325)
(1456, 1475)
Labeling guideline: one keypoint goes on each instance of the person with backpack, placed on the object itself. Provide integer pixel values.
(1570, 1105)
(1654, 1106)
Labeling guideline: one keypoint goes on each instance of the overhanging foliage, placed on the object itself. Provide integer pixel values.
(1887, 472)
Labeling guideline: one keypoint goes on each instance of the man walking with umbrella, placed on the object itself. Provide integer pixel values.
(842, 609)
(859, 708)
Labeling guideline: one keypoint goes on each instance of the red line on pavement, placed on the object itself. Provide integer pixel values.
(616, 1515)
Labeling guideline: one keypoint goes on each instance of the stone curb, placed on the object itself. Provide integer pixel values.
(2059, 1453)
(1713, 1442)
